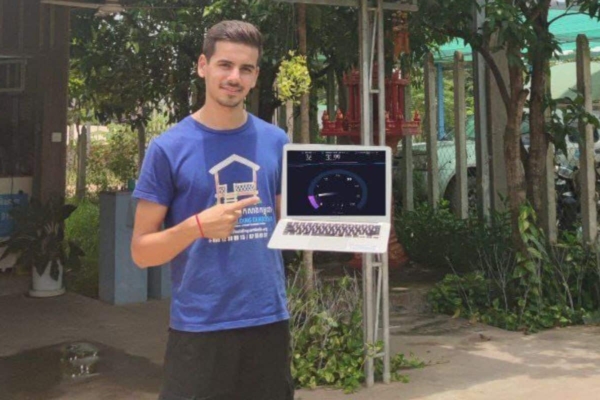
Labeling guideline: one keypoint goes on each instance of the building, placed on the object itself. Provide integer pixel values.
(34, 65)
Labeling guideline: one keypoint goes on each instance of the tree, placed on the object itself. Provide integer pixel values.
(519, 28)
(118, 76)
(138, 62)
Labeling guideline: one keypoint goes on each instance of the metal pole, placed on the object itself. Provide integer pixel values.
(380, 73)
(383, 288)
(366, 139)
(365, 72)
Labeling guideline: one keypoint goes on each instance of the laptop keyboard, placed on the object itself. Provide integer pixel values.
(332, 229)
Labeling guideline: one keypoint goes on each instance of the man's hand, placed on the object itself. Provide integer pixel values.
(219, 221)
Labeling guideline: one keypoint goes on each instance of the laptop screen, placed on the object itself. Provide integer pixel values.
(336, 183)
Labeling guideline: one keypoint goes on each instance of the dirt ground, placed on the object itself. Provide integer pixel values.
(464, 361)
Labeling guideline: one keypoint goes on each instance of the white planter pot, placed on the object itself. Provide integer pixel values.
(8, 262)
(44, 285)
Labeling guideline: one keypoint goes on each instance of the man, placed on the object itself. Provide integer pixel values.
(214, 179)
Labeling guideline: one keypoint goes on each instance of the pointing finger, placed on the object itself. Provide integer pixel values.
(239, 205)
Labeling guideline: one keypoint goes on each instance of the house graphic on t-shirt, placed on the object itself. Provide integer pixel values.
(240, 189)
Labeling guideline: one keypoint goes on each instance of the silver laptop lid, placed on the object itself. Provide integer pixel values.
(337, 182)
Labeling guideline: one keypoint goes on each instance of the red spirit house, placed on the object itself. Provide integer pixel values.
(395, 125)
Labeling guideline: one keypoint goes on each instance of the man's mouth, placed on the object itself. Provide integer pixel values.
(232, 89)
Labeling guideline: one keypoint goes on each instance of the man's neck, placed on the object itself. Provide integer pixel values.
(221, 118)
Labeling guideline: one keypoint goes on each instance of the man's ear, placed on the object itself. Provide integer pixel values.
(202, 61)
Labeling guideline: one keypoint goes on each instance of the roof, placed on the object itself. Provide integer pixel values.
(230, 160)
(565, 29)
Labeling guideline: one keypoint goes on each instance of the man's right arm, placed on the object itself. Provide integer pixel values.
(152, 247)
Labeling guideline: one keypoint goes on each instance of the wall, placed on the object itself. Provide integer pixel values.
(30, 120)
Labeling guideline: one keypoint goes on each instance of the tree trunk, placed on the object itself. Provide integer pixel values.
(268, 102)
(515, 175)
(538, 138)
(141, 134)
(307, 257)
(82, 144)
(539, 141)
(181, 98)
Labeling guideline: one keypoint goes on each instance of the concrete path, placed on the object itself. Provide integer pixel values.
(465, 361)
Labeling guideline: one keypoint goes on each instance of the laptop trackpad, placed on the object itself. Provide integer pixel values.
(350, 245)
(361, 245)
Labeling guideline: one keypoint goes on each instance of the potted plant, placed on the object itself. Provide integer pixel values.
(39, 244)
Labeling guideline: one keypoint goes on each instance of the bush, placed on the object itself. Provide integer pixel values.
(83, 228)
(439, 239)
(551, 285)
(327, 336)
(293, 78)
(113, 159)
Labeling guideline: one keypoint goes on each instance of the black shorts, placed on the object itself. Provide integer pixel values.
(238, 364)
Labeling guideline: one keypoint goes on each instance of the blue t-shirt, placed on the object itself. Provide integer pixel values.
(236, 282)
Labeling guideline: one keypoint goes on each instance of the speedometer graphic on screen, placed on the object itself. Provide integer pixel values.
(337, 192)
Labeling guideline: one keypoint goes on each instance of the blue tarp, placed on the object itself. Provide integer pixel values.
(7, 202)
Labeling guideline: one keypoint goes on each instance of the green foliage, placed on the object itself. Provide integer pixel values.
(521, 32)
(114, 159)
(293, 79)
(565, 123)
(122, 64)
(38, 239)
(327, 336)
(99, 177)
(547, 286)
(453, 242)
(460, 295)
(122, 161)
(83, 227)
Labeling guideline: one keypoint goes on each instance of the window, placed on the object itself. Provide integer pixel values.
(12, 76)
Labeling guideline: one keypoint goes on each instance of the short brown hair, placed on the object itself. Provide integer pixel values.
(232, 31)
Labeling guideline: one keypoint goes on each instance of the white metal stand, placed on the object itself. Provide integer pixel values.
(375, 266)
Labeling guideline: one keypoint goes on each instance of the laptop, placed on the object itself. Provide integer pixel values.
(335, 198)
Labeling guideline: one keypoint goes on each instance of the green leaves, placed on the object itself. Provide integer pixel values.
(541, 287)
(293, 78)
(38, 237)
(327, 336)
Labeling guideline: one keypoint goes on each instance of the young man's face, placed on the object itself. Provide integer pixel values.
(230, 73)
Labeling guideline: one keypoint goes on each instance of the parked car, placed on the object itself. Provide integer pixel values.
(447, 161)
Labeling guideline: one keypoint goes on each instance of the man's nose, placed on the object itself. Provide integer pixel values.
(234, 75)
